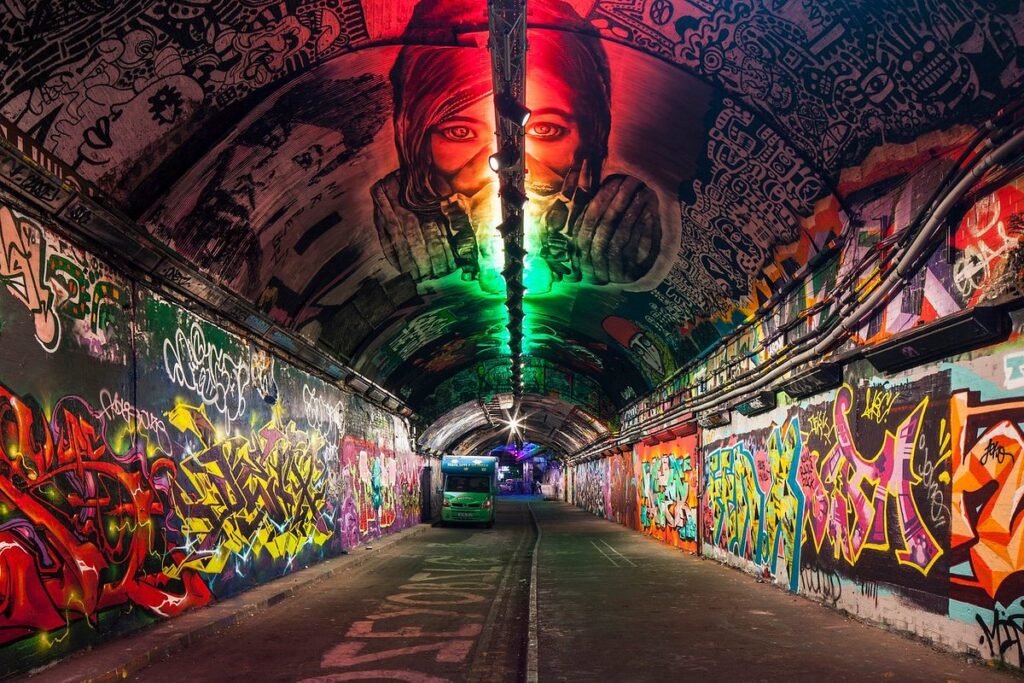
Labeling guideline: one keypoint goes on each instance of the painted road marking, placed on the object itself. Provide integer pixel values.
(617, 553)
(606, 555)
(476, 669)
(445, 586)
(463, 591)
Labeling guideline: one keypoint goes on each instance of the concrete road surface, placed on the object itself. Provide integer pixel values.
(617, 605)
(449, 604)
(612, 605)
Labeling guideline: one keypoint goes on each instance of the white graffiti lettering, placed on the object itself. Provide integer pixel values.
(325, 417)
(194, 363)
(113, 405)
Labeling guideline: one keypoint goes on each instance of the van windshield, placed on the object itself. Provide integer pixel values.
(469, 484)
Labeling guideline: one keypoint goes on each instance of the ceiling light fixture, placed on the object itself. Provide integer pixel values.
(503, 159)
(512, 110)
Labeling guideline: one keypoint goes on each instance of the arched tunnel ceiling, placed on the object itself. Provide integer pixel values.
(326, 160)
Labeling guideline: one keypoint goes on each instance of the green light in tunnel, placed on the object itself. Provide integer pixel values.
(529, 332)
(537, 275)
(492, 260)
(538, 281)
(500, 248)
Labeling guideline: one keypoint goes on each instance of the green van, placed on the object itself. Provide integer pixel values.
(470, 485)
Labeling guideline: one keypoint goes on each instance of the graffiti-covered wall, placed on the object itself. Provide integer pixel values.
(986, 450)
(980, 258)
(652, 488)
(849, 485)
(151, 462)
(589, 486)
(667, 490)
(893, 497)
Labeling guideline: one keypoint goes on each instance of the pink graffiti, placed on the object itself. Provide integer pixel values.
(815, 498)
(858, 489)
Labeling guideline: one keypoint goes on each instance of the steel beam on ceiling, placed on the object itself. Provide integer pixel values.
(507, 44)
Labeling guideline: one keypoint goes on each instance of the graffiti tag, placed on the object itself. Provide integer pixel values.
(112, 405)
(325, 416)
(215, 375)
(878, 402)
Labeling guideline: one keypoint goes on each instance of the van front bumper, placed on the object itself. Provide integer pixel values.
(452, 514)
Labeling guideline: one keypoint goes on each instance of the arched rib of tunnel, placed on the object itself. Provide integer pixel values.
(478, 427)
(252, 285)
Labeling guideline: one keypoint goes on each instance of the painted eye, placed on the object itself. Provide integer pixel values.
(547, 131)
(457, 133)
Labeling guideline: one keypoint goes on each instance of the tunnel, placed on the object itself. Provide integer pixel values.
(730, 292)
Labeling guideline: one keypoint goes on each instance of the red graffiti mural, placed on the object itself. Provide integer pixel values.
(81, 526)
(988, 257)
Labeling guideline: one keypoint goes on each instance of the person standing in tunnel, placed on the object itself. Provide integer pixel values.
(438, 211)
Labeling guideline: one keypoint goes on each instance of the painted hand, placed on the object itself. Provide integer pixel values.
(618, 236)
(414, 244)
(557, 248)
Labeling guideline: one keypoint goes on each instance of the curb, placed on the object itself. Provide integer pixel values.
(175, 642)
(532, 673)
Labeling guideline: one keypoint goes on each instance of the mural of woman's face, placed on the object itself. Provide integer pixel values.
(552, 134)
(461, 144)
(445, 131)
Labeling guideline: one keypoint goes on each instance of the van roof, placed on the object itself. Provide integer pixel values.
(469, 464)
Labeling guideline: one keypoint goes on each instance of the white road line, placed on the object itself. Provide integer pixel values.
(616, 552)
(532, 639)
(606, 555)
(624, 558)
(487, 630)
